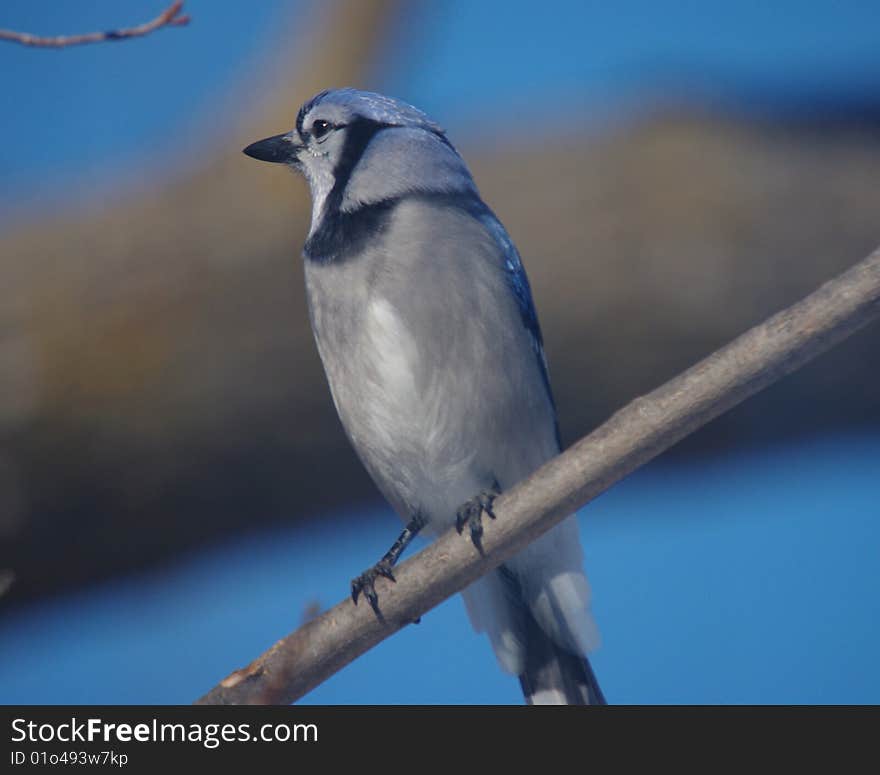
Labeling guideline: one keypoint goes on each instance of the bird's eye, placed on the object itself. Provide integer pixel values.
(320, 128)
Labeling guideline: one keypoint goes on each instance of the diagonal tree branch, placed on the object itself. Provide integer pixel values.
(632, 437)
(170, 17)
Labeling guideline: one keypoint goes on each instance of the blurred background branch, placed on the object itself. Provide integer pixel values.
(170, 17)
(633, 436)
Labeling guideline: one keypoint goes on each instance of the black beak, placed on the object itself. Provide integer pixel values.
(279, 149)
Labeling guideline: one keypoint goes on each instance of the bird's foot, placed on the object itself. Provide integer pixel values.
(366, 584)
(471, 515)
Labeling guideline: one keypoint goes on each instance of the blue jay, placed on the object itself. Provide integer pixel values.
(424, 321)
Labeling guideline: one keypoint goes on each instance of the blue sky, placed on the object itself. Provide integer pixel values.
(118, 110)
(124, 110)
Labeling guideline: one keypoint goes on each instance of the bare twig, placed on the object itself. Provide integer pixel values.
(170, 17)
(632, 437)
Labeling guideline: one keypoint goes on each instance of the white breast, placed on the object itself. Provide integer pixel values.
(390, 400)
(394, 349)
(412, 413)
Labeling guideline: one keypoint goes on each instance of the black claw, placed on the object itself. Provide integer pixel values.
(463, 516)
(362, 584)
(384, 570)
(471, 514)
(366, 584)
(487, 501)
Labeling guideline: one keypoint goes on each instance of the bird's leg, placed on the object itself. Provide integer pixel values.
(471, 514)
(366, 582)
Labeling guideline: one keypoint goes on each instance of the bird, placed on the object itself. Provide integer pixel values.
(424, 320)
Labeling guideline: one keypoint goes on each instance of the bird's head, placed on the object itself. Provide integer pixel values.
(357, 147)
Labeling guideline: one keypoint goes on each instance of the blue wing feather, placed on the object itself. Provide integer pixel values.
(519, 285)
